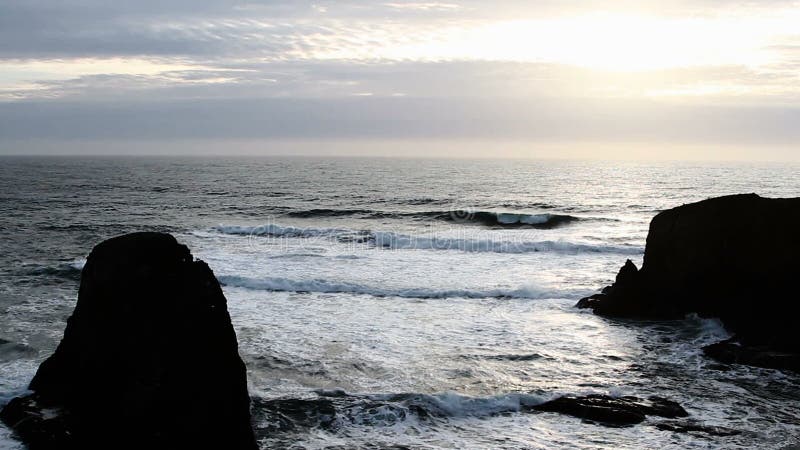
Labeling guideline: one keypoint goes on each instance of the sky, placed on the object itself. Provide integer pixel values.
(684, 79)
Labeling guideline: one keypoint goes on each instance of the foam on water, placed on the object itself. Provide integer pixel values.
(529, 291)
(394, 240)
(487, 218)
(438, 295)
(280, 231)
(401, 241)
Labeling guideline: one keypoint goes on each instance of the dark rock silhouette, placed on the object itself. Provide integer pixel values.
(735, 257)
(613, 410)
(734, 352)
(148, 360)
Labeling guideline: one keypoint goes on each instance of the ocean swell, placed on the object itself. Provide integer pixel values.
(399, 241)
(326, 212)
(66, 270)
(462, 216)
(506, 219)
(402, 241)
(277, 284)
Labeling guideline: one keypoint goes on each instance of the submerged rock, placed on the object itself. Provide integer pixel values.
(289, 414)
(691, 427)
(149, 358)
(613, 410)
(733, 257)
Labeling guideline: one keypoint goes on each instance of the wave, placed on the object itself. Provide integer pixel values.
(273, 230)
(70, 271)
(332, 409)
(465, 216)
(402, 241)
(324, 212)
(525, 357)
(424, 201)
(506, 220)
(276, 284)
(398, 241)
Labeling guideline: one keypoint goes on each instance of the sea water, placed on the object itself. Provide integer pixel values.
(394, 303)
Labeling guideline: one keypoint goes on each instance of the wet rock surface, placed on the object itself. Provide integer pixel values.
(734, 258)
(331, 410)
(613, 410)
(691, 427)
(734, 352)
(149, 358)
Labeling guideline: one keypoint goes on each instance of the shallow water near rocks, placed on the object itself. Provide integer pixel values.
(404, 304)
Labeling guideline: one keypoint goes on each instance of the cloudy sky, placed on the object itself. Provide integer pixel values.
(702, 79)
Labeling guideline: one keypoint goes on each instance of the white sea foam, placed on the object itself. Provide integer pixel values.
(400, 241)
(529, 219)
(451, 404)
(336, 287)
(404, 241)
(711, 330)
(456, 405)
(278, 231)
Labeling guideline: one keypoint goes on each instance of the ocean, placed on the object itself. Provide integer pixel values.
(399, 303)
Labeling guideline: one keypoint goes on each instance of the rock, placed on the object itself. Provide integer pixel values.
(627, 274)
(734, 352)
(623, 298)
(149, 358)
(732, 257)
(690, 427)
(282, 415)
(40, 425)
(613, 410)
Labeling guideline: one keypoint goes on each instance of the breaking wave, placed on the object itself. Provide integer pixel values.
(278, 231)
(465, 216)
(332, 409)
(402, 241)
(67, 270)
(501, 219)
(342, 287)
(399, 241)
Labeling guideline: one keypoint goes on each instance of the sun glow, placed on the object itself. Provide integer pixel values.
(612, 42)
(624, 43)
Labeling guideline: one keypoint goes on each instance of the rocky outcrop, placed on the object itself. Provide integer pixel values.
(734, 352)
(733, 257)
(613, 410)
(149, 358)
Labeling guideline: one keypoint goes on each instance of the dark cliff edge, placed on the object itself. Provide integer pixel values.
(736, 258)
(149, 359)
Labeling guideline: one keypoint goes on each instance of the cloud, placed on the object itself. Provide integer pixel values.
(550, 71)
(357, 118)
(157, 81)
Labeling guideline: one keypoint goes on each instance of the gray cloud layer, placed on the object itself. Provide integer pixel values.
(401, 118)
(253, 72)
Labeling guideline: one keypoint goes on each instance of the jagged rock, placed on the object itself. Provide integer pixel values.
(624, 298)
(613, 410)
(733, 257)
(149, 358)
